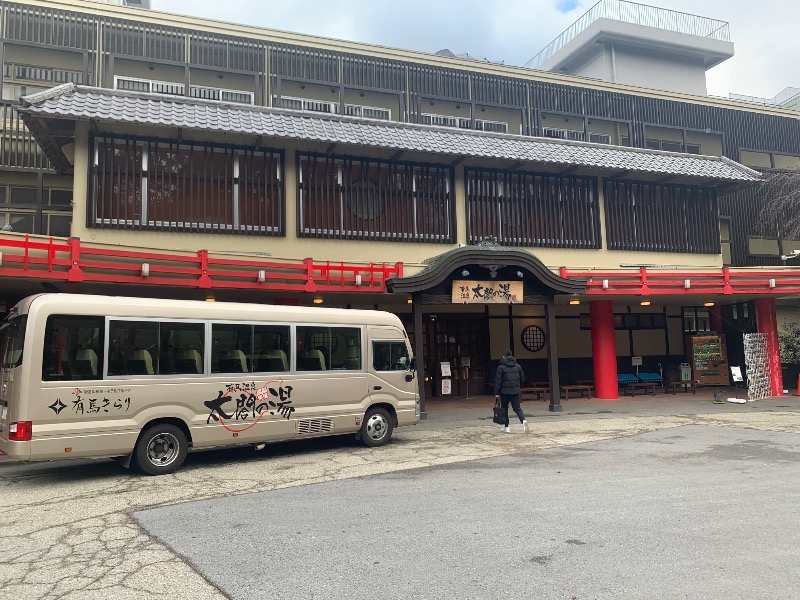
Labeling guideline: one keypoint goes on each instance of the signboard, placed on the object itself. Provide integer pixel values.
(445, 369)
(465, 361)
(636, 361)
(445, 387)
(487, 292)
(736, 373)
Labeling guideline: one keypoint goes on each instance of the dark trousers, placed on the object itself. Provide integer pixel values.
(505, 399)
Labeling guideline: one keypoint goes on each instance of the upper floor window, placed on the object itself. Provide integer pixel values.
(171, 88)
(147, 184)
(584, 129)
(357, 198)
(689, 141)
(24, 80)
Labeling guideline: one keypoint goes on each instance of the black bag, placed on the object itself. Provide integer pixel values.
(499, 414)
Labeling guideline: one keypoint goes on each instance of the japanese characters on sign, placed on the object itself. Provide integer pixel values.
(487, 292)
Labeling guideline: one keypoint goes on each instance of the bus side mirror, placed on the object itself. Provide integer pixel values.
(413, 365)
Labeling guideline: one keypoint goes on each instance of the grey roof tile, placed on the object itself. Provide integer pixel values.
(69, 101)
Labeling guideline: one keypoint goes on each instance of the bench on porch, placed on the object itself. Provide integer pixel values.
(579, 388)
(534, 392)
(684, 386)
(631, 388)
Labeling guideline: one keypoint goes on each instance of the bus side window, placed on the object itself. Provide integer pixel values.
(73, 348)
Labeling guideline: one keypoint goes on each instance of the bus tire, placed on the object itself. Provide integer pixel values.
(376, 430)
(161, 449)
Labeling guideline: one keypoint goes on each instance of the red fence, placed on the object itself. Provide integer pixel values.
(69, 260)
(774, 281)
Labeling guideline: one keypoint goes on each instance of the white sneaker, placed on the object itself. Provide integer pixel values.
(506, 429)
(525, 426)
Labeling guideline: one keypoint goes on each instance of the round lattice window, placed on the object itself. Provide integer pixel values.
(533, 338)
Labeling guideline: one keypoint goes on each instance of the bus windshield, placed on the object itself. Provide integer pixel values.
(12, 334)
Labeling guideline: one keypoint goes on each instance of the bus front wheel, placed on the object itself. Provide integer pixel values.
(376, 430)
(161, 449)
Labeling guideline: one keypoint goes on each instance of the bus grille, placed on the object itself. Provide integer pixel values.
(314, 426)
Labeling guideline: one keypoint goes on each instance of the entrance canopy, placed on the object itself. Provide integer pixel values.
(486, 262)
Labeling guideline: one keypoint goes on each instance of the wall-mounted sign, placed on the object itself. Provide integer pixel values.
(487, 292)
(636, 361)
(445, 369)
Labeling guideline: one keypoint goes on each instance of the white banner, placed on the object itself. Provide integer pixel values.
(487, 292)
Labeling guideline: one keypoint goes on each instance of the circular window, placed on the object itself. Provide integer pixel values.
(533, 338)
(365, 200)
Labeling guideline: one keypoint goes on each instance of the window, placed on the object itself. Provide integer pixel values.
(390, 356)
(73, 348)
(368, 112)
(244, 348)
(12, 340)
(160, 348)
(352, 198)
(323, 348)
(630, 321)
(725, 240)
(440, 120)
(143, 184)
(309, 105)
(763, 246)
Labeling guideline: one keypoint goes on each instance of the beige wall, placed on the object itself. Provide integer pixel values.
(141, 70)
(228, 81)
(57, 59)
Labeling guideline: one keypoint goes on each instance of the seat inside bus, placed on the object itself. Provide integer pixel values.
(86, 363)
(311, 360)
(233, 361)
(190, 362)
(140, 363)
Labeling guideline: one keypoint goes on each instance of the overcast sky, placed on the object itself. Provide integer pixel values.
(513, 31)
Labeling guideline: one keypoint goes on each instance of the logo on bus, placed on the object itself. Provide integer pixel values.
(249, 404)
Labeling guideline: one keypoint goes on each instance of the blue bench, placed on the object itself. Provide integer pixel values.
(651, 378)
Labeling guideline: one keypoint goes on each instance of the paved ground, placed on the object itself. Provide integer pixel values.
(66, 529)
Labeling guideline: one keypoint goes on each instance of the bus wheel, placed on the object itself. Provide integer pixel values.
(376, 430)
(161, 449)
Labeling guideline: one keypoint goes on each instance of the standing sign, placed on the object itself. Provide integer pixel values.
(446, 369)
(446, 390)
(487, 292)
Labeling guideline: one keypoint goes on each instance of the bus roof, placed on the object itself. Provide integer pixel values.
(125, 306)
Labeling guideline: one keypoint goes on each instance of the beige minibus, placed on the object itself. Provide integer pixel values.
(145, 380)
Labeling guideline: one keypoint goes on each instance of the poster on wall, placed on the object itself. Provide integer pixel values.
(446, 372)
(487, 292)
(446, 390)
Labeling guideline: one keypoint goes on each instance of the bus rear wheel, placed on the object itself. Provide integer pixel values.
(161, 449)
(376, 430)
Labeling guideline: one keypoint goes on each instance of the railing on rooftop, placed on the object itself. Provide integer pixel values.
(785, 97)
(638, 14)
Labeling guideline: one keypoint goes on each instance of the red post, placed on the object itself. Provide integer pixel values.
(604, 349)
(767, 322)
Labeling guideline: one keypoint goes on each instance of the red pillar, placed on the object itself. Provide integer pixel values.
(767, 322)
(715, 315)
(604, 349)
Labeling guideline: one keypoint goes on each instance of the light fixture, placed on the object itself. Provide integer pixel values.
(605, 284)
(645, 303)
(687, 283)
(465, 273)
(410, 300)
(520, 275)
(575, 301)
(708, 304)
(262, 276)
(317, 300)
(772, 283)
(145, 269)
(358, 279)
(210, 299)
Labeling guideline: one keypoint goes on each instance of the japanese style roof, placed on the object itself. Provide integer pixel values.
(72, 102)
(440, 267)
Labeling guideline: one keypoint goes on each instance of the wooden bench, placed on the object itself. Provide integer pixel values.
(641, 385)
(534, 392)
(674, 386)
(580, 388)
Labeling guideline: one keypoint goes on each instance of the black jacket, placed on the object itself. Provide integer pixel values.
(509, 376)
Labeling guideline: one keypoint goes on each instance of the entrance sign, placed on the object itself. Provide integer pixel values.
(487, 292)
(446, 388)
(446, 372)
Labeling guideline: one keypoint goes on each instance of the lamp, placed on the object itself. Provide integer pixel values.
(605, 284)
(210, 299)
(317, 300)
(520, 274)
(465, 273)
(645, 303)
(410, 300)
(687, 283)
(145, 269)
(772, 283)
(262, 276)
(576, 301)
(708, 303)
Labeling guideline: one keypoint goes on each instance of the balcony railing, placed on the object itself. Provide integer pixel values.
(637, 14)
(18, 147)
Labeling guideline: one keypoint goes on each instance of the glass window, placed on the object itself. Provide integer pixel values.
(133, 348)
(61, 198)
(322, 348)
(182, 348)
(60, 225)
(21, 222)
(12, 336)
(390, 356)
(271, 350)
(232, 348)
(73, 348)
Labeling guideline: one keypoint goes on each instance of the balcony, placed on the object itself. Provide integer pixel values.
(635, 14)
(18, 148)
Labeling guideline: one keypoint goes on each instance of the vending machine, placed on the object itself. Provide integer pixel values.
(709, 360)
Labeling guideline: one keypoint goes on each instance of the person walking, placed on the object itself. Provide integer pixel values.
(507, 381)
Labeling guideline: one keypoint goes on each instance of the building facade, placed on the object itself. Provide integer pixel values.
(580, 222)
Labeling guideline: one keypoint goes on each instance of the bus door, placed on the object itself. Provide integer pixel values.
(391, 378)
(12, 335)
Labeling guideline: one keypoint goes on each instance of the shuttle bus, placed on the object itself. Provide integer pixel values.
(144, 380)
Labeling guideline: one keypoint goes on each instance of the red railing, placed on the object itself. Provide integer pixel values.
(69, 260)
(771, 281)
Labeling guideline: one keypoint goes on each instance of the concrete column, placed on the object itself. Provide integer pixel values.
(604, 349)
(767, 322)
